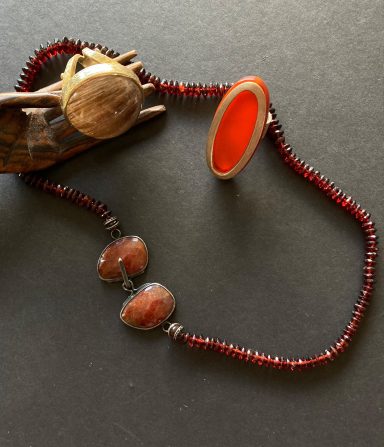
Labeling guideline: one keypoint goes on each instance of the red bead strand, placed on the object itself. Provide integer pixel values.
(71, 46)
(176, 88)
(51, 49)
(355, 210)
(74, 196)
(186, 89)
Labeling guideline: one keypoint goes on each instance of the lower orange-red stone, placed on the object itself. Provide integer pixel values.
(150, 306)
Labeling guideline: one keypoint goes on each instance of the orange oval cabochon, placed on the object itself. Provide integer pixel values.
(237, 126)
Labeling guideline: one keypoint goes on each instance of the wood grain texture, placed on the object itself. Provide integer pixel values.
(18, 100)
(28, 141)
(42, 138)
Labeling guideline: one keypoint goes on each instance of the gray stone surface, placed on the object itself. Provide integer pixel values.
(263, 260)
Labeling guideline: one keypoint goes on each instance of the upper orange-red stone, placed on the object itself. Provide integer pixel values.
(133, 252)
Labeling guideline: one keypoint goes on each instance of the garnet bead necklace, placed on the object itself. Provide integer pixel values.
(127, 256)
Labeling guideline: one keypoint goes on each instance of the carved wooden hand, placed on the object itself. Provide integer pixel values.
(38, 130)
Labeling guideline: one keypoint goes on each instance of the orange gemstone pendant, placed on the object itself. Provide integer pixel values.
(148, 307)
(238, 126)
(133, 252)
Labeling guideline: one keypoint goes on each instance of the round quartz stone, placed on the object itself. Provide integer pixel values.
(105, 106)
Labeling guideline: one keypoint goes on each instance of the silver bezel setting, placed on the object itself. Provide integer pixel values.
(132, 297)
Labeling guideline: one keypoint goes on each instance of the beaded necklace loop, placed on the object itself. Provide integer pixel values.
(111, 223)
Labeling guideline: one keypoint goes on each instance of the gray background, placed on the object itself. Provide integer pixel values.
(263, 260)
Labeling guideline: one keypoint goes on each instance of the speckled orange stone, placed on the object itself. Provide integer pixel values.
(149, 307)
(131, 249)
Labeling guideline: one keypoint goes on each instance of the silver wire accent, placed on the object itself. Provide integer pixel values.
(116, 233)
(111, 223)
(172, 329)
(127, 283)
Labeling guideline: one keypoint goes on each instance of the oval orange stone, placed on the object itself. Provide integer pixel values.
(131, 249)
(237, 127)
(235, 131)
(150, 306)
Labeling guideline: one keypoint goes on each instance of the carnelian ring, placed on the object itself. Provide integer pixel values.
(238, 127)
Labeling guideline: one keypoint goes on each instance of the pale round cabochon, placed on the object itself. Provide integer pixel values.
(104, 106)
